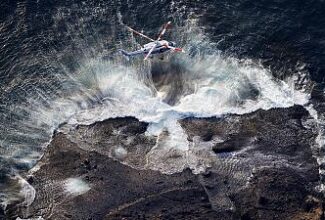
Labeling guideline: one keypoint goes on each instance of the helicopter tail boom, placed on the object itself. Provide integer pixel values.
(125, 53)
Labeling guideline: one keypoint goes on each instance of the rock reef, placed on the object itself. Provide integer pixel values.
(264, 167)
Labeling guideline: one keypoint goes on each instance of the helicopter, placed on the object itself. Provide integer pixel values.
(155, 47)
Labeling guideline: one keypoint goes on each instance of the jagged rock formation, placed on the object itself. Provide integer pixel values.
(264, 168)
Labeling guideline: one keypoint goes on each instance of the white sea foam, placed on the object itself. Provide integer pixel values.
(320, 140)
(120, 152)
(223, 85)
(36, 218)
(27, 191)
(111, 88)
(76, 186)
(20, 191)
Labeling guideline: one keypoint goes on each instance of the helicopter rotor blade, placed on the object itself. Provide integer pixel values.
(163, 30)
(140, 34)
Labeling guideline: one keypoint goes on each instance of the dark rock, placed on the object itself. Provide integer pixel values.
(117, 191)
(263, 169)
(233, 144)
(2, 213)
(207, 136)
(278, 192)
(30, 179)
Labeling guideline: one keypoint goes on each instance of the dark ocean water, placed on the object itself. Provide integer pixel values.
(279, 32)
(44, 45)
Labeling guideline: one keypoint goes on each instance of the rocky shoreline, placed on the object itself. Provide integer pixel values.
(263, 167)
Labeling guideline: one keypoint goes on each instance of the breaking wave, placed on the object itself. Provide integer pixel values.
(200, 83)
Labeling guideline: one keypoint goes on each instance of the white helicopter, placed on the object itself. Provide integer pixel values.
(158, 46)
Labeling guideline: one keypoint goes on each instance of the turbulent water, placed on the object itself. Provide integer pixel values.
(59, 64)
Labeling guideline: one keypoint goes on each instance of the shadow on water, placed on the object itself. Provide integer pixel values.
(169, 77)
(173, 79)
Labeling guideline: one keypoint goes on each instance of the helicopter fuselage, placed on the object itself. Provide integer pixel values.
(161, 47)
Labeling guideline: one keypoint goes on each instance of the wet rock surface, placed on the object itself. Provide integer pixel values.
(263, 168)
(117, 191)
(276, 151)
